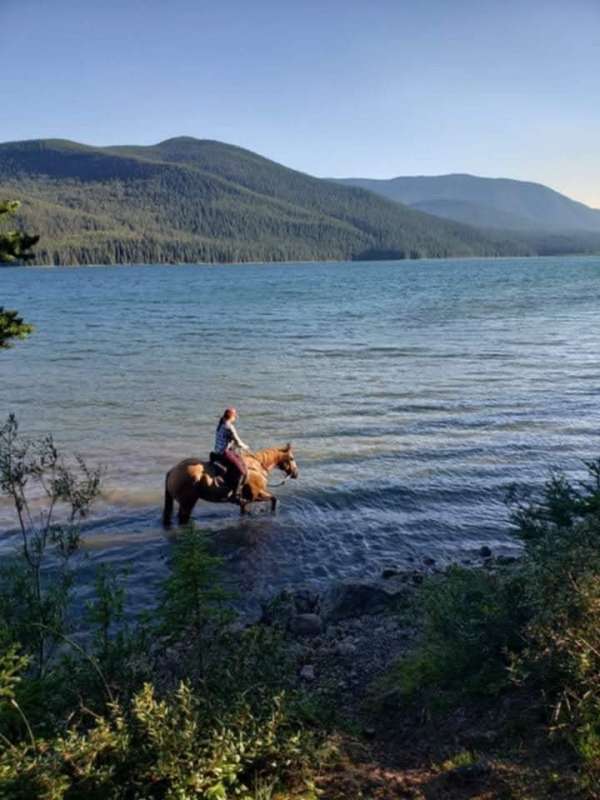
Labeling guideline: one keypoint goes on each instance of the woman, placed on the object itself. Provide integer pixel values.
(226, 442)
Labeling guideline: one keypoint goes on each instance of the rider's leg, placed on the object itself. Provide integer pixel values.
(237, 471)
(241, 471)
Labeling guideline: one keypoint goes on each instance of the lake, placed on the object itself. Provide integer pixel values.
(415, 393)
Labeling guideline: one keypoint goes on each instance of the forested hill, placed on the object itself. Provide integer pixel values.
(196, 200)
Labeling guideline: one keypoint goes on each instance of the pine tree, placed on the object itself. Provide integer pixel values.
(15, 246)
(12, 327)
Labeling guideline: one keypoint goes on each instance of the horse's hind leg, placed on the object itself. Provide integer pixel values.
(185, 512)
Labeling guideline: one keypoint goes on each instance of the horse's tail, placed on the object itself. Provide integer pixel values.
(168, 506)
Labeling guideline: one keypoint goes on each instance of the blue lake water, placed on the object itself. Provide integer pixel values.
(414, 393)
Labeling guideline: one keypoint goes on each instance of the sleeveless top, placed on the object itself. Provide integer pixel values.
(223, 437)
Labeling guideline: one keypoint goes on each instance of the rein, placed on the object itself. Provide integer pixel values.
(275, 485)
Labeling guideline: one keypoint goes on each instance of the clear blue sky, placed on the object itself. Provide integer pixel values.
(370, 88)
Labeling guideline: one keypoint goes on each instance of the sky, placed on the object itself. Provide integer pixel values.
(335, 88)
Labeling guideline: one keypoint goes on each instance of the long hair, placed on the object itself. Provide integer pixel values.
(227, 414)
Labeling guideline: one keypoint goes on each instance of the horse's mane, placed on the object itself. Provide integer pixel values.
(268, 456)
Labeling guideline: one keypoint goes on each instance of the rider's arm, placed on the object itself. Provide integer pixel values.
(236, 439)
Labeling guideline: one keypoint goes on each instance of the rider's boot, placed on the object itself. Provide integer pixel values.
(238, 489)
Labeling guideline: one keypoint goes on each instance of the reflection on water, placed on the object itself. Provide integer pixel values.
(414, 394)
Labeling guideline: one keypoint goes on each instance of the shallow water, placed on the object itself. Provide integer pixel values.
(415, 393)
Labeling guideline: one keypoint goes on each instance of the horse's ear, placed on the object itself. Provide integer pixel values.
(288, 447)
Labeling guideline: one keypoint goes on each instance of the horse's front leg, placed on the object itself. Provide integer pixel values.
(264, 497)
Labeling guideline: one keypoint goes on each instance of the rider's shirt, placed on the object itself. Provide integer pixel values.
(227, 436)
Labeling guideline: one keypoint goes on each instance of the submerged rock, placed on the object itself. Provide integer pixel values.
(389, 572)
(505, 561)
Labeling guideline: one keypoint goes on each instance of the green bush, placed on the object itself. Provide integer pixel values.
(34, 599)
(561, 534)
(95, 724)
(472, 622)
(192, 596)
(535, 623)
(170, 747)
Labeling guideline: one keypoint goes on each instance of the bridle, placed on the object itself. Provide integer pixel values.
(289, 474)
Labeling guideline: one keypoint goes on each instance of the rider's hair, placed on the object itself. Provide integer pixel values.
(227, 414)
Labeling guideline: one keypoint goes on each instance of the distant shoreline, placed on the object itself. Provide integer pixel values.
(299, 262)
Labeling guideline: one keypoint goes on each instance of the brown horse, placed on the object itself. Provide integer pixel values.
(192, 480)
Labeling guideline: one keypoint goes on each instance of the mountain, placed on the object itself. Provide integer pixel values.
(486, 202)
(481, 216)
(198, 200)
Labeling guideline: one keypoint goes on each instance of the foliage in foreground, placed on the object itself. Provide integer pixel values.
(15, 245)
(151, 747)
(50, 498)
(535, 624)
(12, 326)
(179, 705)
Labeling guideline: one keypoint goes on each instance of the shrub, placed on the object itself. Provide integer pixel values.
(472, 622)
(561, 533)
(536, 623)
(172, 747)
(191, 596)
(87, 720)
(34, 599)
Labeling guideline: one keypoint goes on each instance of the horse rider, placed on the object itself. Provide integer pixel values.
(227, 447)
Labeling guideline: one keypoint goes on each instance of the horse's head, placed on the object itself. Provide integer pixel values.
(287, 462)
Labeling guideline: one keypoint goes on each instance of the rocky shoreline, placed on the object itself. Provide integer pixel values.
(344, 638)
